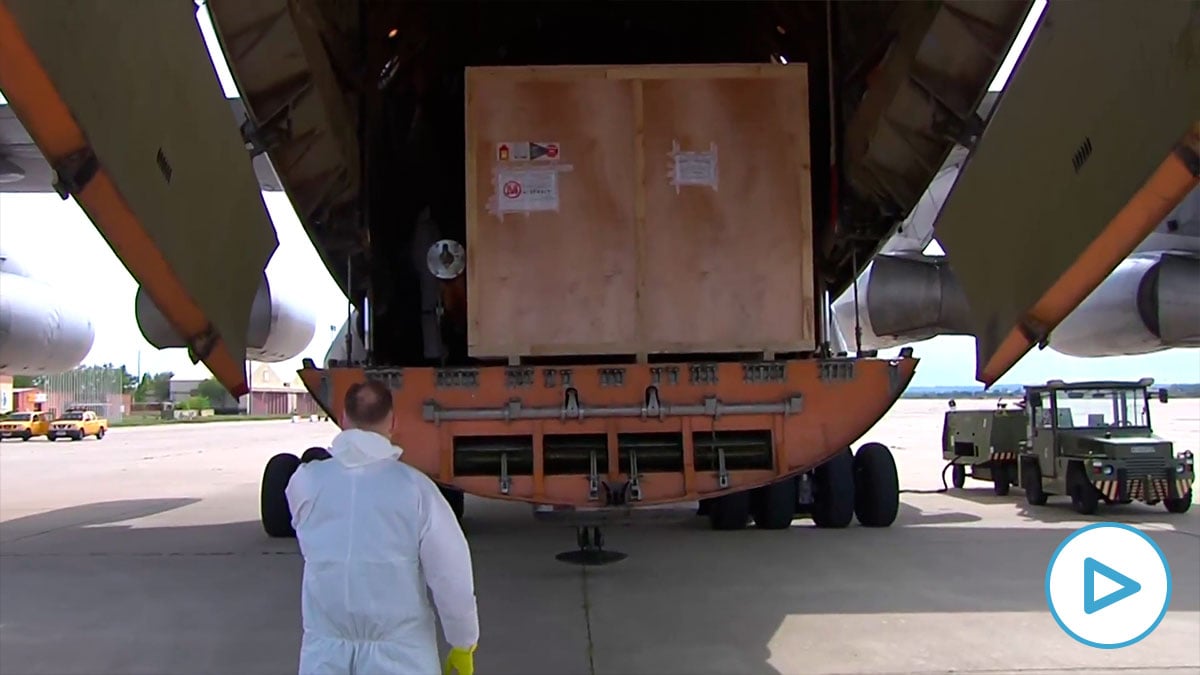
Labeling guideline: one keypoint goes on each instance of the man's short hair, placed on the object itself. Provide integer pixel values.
(368, 403)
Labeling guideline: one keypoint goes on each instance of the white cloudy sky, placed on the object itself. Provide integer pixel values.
(84, 261)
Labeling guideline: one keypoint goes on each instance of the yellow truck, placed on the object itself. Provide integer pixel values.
(76, 424)
(25, 425)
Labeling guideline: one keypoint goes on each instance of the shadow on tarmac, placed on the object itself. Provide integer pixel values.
(83, 591)
(1058, 509)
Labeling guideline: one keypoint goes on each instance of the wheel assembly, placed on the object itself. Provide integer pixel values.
(876, 486)
(273, 505)
(1031, 482)
(456, 499)
(773, 506)
(833, 491)
(1000, 479)
(1178, 504)
(730, 512)
(958, 475)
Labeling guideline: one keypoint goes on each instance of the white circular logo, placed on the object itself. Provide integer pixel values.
(1108, 585)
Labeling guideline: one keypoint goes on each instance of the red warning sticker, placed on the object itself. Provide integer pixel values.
(512, 189)
(543, 151)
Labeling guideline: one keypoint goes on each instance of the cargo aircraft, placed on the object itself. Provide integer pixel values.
(360, 110)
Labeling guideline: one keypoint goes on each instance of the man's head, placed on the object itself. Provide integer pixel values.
(368, 406)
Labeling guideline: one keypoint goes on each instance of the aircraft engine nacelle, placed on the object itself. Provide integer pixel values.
(280, 327)
(1149, 303)
(903, 299)
(43, 330)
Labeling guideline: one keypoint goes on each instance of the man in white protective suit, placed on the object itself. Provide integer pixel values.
(374, 532)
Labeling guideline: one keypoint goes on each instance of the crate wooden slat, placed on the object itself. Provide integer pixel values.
(624, 260)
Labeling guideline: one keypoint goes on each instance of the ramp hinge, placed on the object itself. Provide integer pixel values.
(635, 484)
(722, 472)
(201, 346)
(74, 172)
(593, 477)
(505, 481)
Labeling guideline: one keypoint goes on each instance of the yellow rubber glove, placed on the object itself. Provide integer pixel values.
(461, 661)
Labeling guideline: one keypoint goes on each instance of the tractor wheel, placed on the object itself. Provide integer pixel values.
(958, 476)
(876, 486)
(833, 491)
(456, 499)
(1179, 504)
(1084, 496)
(1000, 479)
(1031, 482)
(273, 505)
(774, 506)
(730, 512)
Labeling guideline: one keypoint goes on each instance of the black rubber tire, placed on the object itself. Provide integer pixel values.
(1179, 504)
(315, 454)
(272, 501)
(774, 506)
(456, 499)
(1031, 482)
(1084, 497)
(730, 512)
(78, 436)
(876, 486)
(1000, 480)
(100, 433)
(958, 475)
(833, 491)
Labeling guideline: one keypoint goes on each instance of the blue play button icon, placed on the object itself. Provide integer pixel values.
(1080, 588)
(1093, 567)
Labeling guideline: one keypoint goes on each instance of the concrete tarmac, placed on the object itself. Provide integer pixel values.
(142, 553)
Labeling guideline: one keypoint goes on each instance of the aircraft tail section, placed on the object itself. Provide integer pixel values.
(123, 101)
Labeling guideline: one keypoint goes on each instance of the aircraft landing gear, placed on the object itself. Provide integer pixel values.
(273, 505)
(591, 551)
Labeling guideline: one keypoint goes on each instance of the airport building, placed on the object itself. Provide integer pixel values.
(270, 393)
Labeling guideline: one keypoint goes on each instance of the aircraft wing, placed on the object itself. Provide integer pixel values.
(1081, 160)
(123, 101)
(23, 168)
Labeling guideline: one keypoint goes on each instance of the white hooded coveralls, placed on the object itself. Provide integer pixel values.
(374, 532)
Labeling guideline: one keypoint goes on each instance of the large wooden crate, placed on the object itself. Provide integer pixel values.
(638, 210)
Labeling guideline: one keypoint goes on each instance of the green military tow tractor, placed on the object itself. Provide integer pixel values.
(1090, 441)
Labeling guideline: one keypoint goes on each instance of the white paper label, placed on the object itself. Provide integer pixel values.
(527, 190)
(695, 168)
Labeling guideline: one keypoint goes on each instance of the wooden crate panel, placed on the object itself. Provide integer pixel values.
(728, 254)
(558, 281)
(610, 235)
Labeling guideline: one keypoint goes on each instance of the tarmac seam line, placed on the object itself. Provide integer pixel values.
(587, 622)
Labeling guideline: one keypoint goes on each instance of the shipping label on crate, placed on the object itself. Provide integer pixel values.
(527, 151)
(693, 168)
(527, 190)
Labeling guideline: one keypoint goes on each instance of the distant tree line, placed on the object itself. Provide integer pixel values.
(152, 387)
